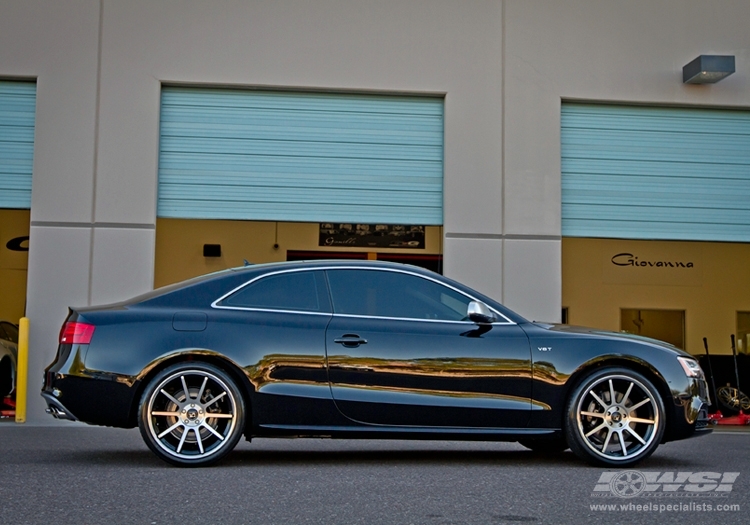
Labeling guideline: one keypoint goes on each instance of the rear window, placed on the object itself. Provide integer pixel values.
(293, 291)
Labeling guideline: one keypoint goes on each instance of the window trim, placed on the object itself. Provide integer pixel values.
(503, 320)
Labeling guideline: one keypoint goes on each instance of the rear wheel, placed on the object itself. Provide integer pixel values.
(191, 414)
(615, 417)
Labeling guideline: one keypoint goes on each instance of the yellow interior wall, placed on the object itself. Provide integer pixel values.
(179, 245)
(13, 264)
(665, 325)
(711, 292)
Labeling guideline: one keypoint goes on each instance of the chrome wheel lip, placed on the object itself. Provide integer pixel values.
(193, 415)
(616, 418)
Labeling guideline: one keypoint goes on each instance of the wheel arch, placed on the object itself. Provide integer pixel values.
(202, 356)
(637, 365)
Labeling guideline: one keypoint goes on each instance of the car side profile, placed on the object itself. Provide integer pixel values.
(364, 349)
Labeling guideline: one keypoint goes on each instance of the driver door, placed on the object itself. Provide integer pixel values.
(402, 353)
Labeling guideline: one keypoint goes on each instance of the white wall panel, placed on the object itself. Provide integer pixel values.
(123, 263)
(58, 277)
(531, 278)
(476, 262)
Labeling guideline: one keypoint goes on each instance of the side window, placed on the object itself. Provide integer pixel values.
(394, 294)
(296, 291)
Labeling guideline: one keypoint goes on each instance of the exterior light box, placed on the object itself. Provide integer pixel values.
(708, 69)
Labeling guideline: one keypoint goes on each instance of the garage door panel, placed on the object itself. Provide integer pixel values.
(683, 149)
(17, 112)
(286, 195)
(261, 210)
(655, 173)
(249, 124)
(683, 120)
(299, 148)
(613, 229)
(629, 167)
(302, 167)
(305, 153)
(688, 194)
(279, 181)
(662, 214)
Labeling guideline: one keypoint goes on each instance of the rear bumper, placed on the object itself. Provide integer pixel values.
(75, 393)
(94, 400)
(56, 409)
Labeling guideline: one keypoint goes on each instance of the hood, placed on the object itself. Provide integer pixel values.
(620, 336)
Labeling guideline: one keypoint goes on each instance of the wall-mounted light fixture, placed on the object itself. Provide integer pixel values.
(708, 69)
(212, 250)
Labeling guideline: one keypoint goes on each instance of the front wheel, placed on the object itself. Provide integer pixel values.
(615, 416)
(191, 414)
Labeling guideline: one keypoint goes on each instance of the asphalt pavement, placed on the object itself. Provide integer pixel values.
(77, 474)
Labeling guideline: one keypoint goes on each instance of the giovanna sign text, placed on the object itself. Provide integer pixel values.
(628, 259)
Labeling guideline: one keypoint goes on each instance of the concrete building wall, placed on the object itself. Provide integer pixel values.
(503, 67)
(630, 52)
(55, 43)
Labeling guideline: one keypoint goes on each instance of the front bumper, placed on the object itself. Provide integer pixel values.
(690, 417)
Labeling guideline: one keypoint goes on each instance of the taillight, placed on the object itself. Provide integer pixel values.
(74, 333)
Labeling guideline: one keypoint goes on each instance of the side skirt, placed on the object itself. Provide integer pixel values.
(425, 433)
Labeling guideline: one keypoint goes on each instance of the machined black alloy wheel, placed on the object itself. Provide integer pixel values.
(615, 417)
(192, 414)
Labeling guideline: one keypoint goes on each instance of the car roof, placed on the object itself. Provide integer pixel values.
(206, 288)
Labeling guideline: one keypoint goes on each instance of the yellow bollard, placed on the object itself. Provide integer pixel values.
(22, 369)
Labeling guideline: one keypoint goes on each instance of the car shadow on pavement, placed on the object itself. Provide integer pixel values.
(506, 458)
(397, 457)
(350, 458)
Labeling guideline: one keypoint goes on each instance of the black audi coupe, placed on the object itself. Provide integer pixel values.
(369, 350)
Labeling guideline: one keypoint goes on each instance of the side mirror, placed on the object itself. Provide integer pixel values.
(480, 313)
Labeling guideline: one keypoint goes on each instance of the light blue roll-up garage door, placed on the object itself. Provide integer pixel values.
(288, 156)
(655, 173)
(17, 109)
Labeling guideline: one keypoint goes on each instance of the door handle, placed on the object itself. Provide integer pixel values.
(350, 340)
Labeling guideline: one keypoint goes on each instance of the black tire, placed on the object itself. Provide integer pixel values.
(615, 416)
(191, 414)
(545, 446)
(6, 377)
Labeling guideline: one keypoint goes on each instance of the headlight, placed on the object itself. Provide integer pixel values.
(691, 367)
